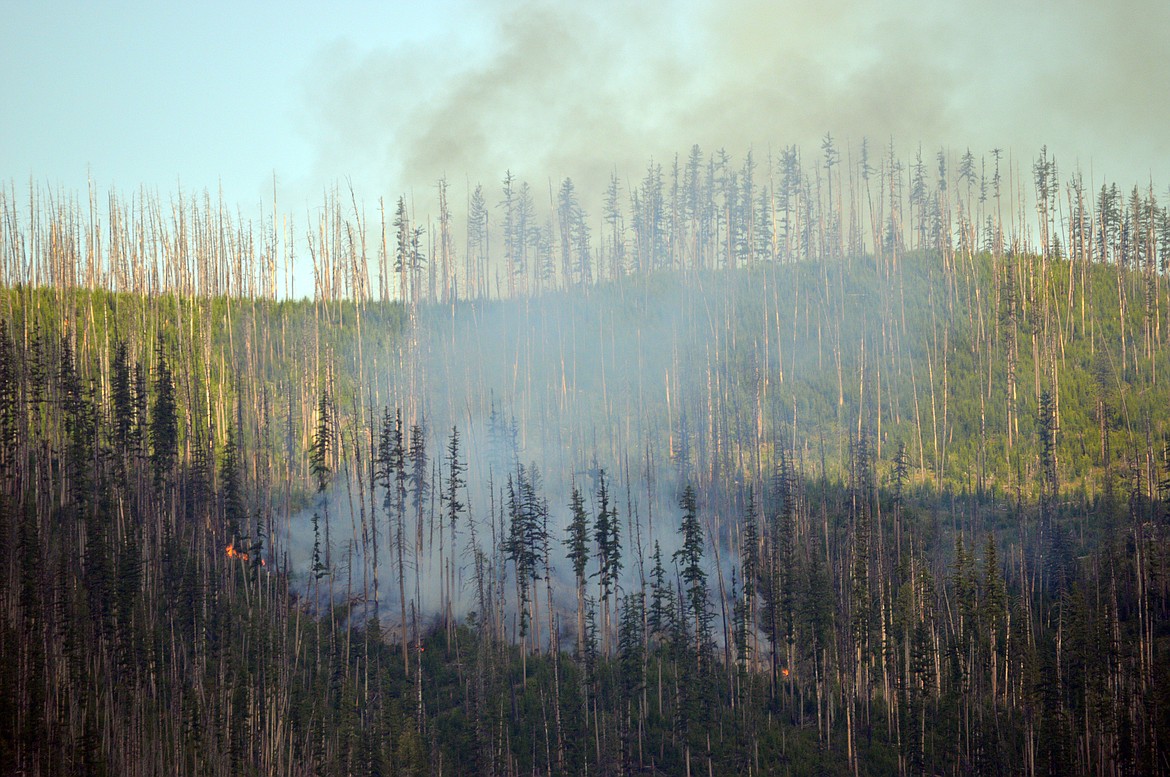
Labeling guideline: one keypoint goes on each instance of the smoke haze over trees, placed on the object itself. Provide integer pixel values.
(825, 457)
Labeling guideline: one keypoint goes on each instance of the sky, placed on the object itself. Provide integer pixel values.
(386, 97)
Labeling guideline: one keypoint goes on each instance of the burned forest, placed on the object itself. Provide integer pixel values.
(824, 461)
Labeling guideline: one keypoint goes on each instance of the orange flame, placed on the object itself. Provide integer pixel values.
(784, 672)
(231, 552)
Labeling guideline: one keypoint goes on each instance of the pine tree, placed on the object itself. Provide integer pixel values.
(1056, 552)
(419, 478)
(9, 389)
(526, 232)
(663, 606)
(577, 543)
(526, 535)
(122, 400)
(319, 461)
(576, 265)
(607, 539)
(234, 512)
(455, 506)
(778, 576)
(964, 583)
(860, 578)
(750, 567)
(616, 246)
(632, 671)
(140, 432)
(164, 439)
(739, 625)
(477, 238)
(404, 260)
(689, 558)
(993, 608)
(80, 427)
(317, 567)
(391, 469)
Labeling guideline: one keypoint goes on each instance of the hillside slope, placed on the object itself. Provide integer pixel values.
(927, 528)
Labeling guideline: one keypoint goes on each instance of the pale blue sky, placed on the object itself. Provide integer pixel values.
(157, 92)
(389, 96)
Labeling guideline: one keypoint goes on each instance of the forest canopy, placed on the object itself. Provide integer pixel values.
(822, 462)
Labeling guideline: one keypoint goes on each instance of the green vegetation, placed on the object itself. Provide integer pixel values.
(821, 512)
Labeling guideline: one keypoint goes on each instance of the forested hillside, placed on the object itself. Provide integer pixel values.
(869, 500)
